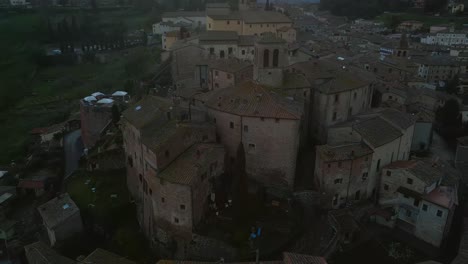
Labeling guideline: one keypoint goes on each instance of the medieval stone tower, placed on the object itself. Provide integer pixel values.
(270, 59)
(403, 47)
(247, 4)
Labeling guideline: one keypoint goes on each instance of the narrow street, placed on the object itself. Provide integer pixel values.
(73, 148)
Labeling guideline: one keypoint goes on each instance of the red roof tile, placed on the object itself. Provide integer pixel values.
(253, 99)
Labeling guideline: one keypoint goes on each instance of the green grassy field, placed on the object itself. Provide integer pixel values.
(109, 206)
(36, 97)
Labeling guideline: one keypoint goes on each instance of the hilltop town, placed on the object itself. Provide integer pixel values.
(248, 132)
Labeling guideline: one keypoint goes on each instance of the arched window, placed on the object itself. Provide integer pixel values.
(266, 58)
(275, 58)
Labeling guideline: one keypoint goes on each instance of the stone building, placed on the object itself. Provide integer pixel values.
(40, 253)
(439, 68)
(342, 172)
(228, 73)
(270, 60)
(336, 94)
(287, 258)
(252, 114)
(423, 197)
(61, 218)
(96, 115)
(248, 22)
(387, 133)
(195, 19)
(172, 166)
(227, 44)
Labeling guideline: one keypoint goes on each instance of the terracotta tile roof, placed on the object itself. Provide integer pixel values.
(253, 99)
(399, 119)
(345, 152)
(251, 17)
(155, 137)
(31, 184)
(377, 131)
(186, 168)
(213, 35)
(147, 111)
(183, 14)
(443, 196)
(42, 253)
(231, 65)
(423, 170)
(173, 34)
(101, 256)
(293, 258)
(57, 210)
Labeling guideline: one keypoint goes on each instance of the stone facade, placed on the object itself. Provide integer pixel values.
(270, 59)
(271, 165)
(387, 133)
(342, 172)
(423, 203)
(94, 118)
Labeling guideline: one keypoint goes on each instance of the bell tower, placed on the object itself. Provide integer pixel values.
(270, 59)
(403, 47)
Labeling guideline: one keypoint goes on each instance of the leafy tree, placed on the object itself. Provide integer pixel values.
(50, 30)
(240, 201)
(452, 85)
(75, 31)
(93, 5)
(449, 114)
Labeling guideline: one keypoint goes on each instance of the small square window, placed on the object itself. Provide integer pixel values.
(176, 220)
(439, 213)
(231, 124)
(228, 22)
(163, 200)
(329, 165)
(424, 207)
(246, 128)
(389, 173)
(251, 147)
(338, 181)
(141, 177)
(406, 196)
(182, 207)
(416, 203)
(150, 191)
(277, 120)
(409, 181)
(229, 76)
(385, 187)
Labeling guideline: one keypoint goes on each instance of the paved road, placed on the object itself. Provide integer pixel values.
(73, 150)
